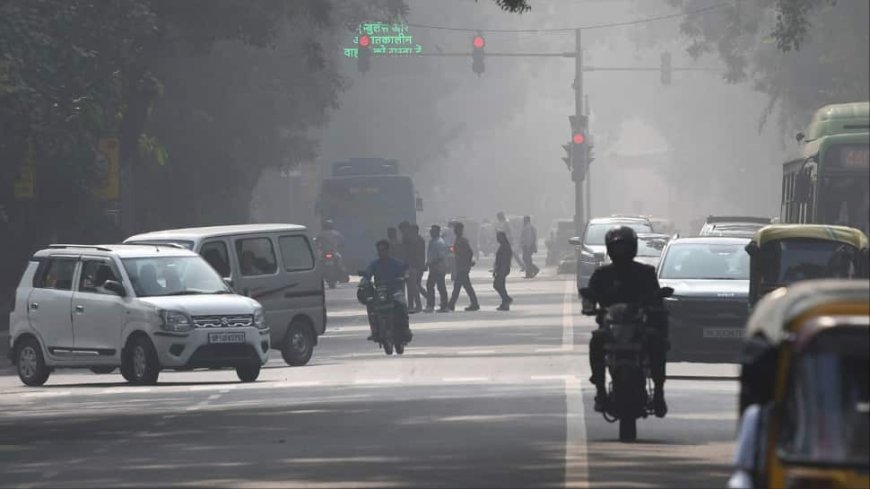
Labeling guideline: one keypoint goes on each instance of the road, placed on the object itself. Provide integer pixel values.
(482, 399)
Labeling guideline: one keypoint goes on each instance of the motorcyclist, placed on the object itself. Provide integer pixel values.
(389, 272)
(329, 240)
(627, 281)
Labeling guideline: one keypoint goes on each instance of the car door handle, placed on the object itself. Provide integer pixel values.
(34, 306)
(80, 308)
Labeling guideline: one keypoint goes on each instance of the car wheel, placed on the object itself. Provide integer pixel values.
(141, 366)
(102, 370)
(249, 372)
(298, 344)
(30, 363)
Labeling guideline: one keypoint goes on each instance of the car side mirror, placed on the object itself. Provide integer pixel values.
(115, 287)
(228, 281)
(575, 241)
(665, 292)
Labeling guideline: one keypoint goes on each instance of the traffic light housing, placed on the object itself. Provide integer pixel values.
(364, 53)
(666, 68)
(579, 153)
(478, 43)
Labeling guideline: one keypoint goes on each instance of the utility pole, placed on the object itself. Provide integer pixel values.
(579, 215)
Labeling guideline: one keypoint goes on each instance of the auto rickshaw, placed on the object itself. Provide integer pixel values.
(805, 389)
(781, 254)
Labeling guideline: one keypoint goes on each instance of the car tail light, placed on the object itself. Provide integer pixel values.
(328, 256)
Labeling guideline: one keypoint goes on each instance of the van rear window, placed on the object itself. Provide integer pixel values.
(296, 253)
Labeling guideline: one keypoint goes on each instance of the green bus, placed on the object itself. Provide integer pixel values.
(830, 182)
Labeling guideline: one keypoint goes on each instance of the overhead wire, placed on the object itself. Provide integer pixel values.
(571, 29)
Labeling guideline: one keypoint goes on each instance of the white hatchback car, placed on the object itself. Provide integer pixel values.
(140, 308)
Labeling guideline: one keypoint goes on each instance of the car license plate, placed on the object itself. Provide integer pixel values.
(226, 337)
(723, 333)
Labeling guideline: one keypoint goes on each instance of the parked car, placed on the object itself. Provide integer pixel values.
(733, 226)
(709, 307)
(590, 249)
(272, 263)
(140, 308)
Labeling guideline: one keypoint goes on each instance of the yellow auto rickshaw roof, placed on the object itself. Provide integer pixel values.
(843, 234)
(775, 310)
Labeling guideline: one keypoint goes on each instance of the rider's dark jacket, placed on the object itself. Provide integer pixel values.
(633, 283)
(388, 272)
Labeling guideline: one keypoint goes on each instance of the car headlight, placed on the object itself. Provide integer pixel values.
(175, 321)
(260, 320)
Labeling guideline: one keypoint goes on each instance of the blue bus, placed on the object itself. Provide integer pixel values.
(365, 196)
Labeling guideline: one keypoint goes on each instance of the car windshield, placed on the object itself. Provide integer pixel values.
(595, 232)
(650, 246)
(706, 261)
(827, 408)
(173, 275)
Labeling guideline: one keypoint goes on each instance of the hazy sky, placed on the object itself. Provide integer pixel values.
(479, 144)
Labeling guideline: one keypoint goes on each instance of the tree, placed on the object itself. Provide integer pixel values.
(801, 53)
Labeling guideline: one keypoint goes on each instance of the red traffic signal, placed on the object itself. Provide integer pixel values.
(578, 138)
(478, 42)
(365, 41)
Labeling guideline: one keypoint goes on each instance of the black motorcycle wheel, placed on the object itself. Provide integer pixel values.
(386, 333)
(627, 429)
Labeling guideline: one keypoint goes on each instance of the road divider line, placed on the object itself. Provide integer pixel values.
(377, 381)
(309, 383)
(576, 460)
(476, 352)
(561, 378)
(466, 379)
(47, 394)
(568, 317)
(213, 397)
(125, 390)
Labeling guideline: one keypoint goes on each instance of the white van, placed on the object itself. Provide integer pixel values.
(272, 263)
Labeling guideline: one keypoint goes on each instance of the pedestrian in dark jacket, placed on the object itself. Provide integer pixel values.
(464, 260)
(502, 269)
(415, 254)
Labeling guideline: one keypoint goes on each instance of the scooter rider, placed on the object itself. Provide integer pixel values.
(329, 239)
(389, 272)
(627, 281)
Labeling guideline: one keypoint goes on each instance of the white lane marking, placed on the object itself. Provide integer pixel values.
(554, 377)
(169, 416)
(476, 352)
(568, 317)
(46, 394)
(465, 379)
(550, 350)
(213, 397)
(377, 381)
(310, 383)
(576, 468)
(224, 391)
(198, 388)
(125, 390)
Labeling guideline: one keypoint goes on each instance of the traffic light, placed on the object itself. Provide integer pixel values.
(364, 53)
(666, 68)
(477, 45)
(579, 146)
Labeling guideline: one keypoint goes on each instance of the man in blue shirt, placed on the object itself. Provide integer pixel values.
(389, 272)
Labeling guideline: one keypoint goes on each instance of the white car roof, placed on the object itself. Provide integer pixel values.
(194, 234)
(119, 250)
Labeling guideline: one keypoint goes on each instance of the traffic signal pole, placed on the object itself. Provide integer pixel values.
(579, 215)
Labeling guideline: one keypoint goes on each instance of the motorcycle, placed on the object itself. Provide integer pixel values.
(630, 393)
(384, 309)
(332, 265)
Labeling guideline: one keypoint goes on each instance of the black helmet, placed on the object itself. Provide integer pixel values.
(621, 243)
